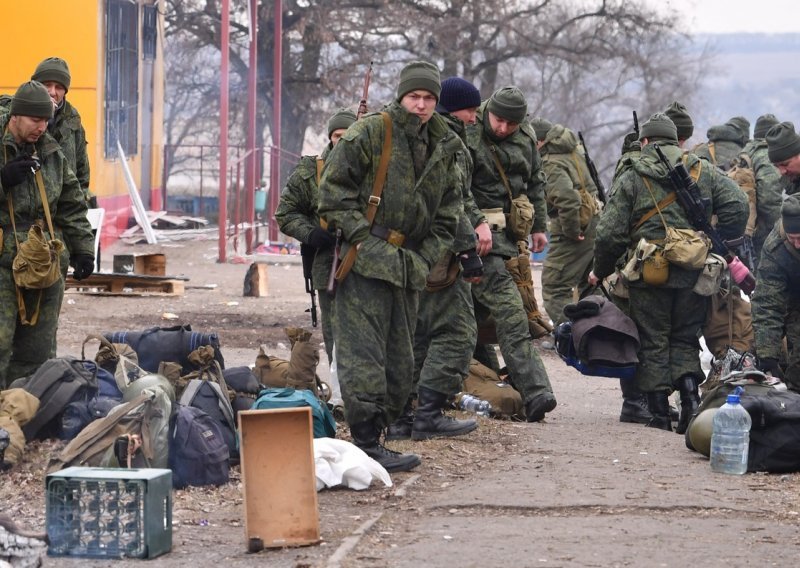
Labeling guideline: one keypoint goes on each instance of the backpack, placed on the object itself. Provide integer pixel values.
(56, 383)
(84, 410)
(198, 454)
(485, 384)
(324, 423)
(245, 386)
(209, 397)
(145, 418)
(742, 173)
(158, 344)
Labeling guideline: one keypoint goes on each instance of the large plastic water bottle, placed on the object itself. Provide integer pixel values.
(474, 404)
(730, 436)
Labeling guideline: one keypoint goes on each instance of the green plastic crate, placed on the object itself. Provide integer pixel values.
(109, 513)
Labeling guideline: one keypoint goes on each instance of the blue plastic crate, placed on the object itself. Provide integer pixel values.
(109, 513)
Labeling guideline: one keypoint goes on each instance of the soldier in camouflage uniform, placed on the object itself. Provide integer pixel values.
(781, 152)
(446, 331)
(24, 347)
(65, 126)
(503, 132)
(769, 183)
(725, 141)
(668, 317)
(297, 217)
(776, 300)
(415, 222)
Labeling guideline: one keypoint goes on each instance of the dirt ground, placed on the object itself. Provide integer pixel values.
(580, 489)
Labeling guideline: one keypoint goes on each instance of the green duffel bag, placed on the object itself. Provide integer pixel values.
(324, 424)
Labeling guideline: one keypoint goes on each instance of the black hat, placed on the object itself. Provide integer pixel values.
(32, 99)
(458, 94)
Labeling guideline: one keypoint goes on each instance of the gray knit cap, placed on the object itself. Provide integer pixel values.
(678, 114)
(782, 142)
(763, 124)
(32, 99)
(659, 126)
(508, 103)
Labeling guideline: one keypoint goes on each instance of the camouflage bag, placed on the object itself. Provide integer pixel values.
(519, 267)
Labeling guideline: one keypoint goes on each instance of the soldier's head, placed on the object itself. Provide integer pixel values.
(743, 125)
(790, 217)
(678, 114)
(658, 128)
(783, 149)
(419, 89)
(31, 108)
(763, 124)
(507, 108)
(460, 98)
(338, 123)
(541, 126)
(54, 74)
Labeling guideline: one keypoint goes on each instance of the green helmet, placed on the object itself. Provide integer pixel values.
(148, 382)
(699, 432)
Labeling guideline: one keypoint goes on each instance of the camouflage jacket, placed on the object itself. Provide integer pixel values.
(68, 131)
(472, 216)
(425, 209)
(523, 167)
(630, 200)
(777, 293)
(724, 145)
(64, 197)
(297, 212)
(769, 187)
(567, 173)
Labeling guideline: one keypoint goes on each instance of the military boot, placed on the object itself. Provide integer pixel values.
(658, 404)
(431, 422)
(538, 406)
(690, 400)
(634, 404)
(365, 436)
(400, 429)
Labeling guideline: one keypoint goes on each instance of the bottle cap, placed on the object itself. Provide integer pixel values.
(733, 398)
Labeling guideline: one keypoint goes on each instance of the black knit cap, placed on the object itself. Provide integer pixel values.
(508, 103)
(659, 126)
(678, 114)
(32, 99)
(53, 69)
(419, 75)
(763, 124)
(790, 214)
(458, 94)
(782, 142)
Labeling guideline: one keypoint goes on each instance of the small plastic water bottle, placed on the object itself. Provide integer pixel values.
(474, 404)
(730, 436)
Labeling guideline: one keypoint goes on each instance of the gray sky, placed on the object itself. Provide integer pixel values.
(726, 16)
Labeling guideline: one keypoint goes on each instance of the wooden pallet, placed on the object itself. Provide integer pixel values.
(127, 285)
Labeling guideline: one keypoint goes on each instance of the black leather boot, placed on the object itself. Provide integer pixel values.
(634, 404)
(400, 429)
(690, 400)
(365, 436)
(658, 404)
(538, 406)
(431, 422)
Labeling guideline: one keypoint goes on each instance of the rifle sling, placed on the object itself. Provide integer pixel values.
(672, 196)
(374, 199)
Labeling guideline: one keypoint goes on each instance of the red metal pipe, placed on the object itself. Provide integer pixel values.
(223, 128)
(275, 164)
(250, 163)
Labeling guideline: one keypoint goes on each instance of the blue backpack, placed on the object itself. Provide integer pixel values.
(198, 453)
(324, 423)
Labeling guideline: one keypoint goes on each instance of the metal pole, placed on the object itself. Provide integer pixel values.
(275, 165)
(201, 208)
(250, 162)
(223, 128)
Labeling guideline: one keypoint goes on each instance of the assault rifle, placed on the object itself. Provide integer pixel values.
(636, 124)
(694, 206)
(307, 254)
(362, 104)
(601, 190)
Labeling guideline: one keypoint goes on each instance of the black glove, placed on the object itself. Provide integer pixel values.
(771, 366)
(83, 265)
(321, 239)
(471, 264)
(17, 170)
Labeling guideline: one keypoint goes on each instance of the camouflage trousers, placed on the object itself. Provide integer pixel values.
(445, 338)
(792, 375)
(323, 261)
(566, 268)
(373, 325)
(24, 347)
(669, 321)
(497, 294)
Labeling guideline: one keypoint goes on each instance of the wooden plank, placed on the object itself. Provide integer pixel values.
(121, 284)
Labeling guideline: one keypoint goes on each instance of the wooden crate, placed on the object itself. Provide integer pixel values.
(278, 477)
(122, 284)
(147, 264)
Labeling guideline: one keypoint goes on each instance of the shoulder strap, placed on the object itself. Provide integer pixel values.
(320, 163)
(712, 151)
(493, 151)
(657, 207)
(695, 172)
(579, 169)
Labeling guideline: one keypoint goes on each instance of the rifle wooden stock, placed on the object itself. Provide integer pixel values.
(362, 104)
(331, 286)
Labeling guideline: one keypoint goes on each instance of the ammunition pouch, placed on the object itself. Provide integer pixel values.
(590, 207)
(686, 248)
(520, 218)
(708, 283)
(443, 273)
(655, 269)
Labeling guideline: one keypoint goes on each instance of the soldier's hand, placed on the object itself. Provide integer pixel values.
(472, 266)
(538, 242)
(83, 266)
(593, 280)
(321, 239)
(16, 171)
(484, 234)
(770, 366)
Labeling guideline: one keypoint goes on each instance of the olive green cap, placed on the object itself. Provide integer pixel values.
(32, 99)
(678, 114)
(342, 118)
(743, 125)
(419, 75)
(790, 214)
(782, 142)
(763, 124)
(541, 126)
(53, 69)
(659, 126)
(508, 103)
